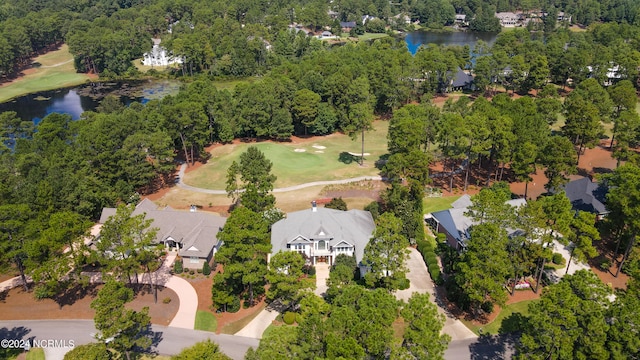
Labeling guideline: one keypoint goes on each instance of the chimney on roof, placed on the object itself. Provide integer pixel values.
(314, 206)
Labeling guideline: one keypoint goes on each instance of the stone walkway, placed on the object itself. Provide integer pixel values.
(322, 275)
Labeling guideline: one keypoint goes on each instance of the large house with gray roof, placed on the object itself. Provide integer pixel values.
(321, 234)
(455, 225)
(192, 233)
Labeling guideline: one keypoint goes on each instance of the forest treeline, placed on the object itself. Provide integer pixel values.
(235, 38)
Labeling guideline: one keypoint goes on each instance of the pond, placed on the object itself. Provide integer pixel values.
(74, 101)
(422, 37)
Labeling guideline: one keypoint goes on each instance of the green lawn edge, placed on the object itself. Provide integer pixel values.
(520, 308)
(205, 321)
(234, 327)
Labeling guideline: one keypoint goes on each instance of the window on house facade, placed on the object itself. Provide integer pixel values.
(343, 249)
(322, 245)
(194, 260)
(298, 248)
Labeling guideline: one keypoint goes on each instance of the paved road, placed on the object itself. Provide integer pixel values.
(483, 348)
(182, 185)
(166, 340)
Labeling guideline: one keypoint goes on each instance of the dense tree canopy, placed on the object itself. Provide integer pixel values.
(120, 329)
(244, 257)
(569, 321)
(357, 325)
(386, 253)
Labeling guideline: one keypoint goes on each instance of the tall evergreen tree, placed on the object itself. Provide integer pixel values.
(251, 180)
(244, 254)
(484, 268)
(386, 253)
(121, 329)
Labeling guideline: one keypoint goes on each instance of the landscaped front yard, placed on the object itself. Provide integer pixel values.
(509, 320)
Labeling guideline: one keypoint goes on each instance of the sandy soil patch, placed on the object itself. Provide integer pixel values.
(299, 150)
(319, 147)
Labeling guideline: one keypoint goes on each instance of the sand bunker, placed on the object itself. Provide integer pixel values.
(358, 154)
(320, 151)
(319, 147)
(299, 150)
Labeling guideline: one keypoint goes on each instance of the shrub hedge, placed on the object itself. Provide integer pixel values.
(431, 259)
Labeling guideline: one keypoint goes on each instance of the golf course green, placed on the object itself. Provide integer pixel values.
(301, 161)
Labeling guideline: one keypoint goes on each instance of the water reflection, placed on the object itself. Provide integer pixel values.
(37, 106)
(72, 101)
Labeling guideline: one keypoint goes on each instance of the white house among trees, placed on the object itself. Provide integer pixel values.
(321, 234)
(159, 56)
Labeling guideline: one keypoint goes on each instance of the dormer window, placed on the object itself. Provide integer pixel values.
(322, 245)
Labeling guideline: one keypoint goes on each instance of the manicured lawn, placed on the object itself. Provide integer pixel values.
(510, 319)
(55, 70)
(234, 327)
(371, 36)
(291, 167)
(206, 321)
(35, 354)
(433, 204)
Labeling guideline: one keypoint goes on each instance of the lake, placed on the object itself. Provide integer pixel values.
(421, 37)
(74, 101)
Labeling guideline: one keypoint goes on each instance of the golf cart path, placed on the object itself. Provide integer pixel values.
(182, 185)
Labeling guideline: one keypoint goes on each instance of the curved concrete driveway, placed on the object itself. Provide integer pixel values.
(420, 281)
(259, 324)
(185, 317)
(182, 185)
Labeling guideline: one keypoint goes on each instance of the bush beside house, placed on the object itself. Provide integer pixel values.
(430, 258)
(177, 266)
